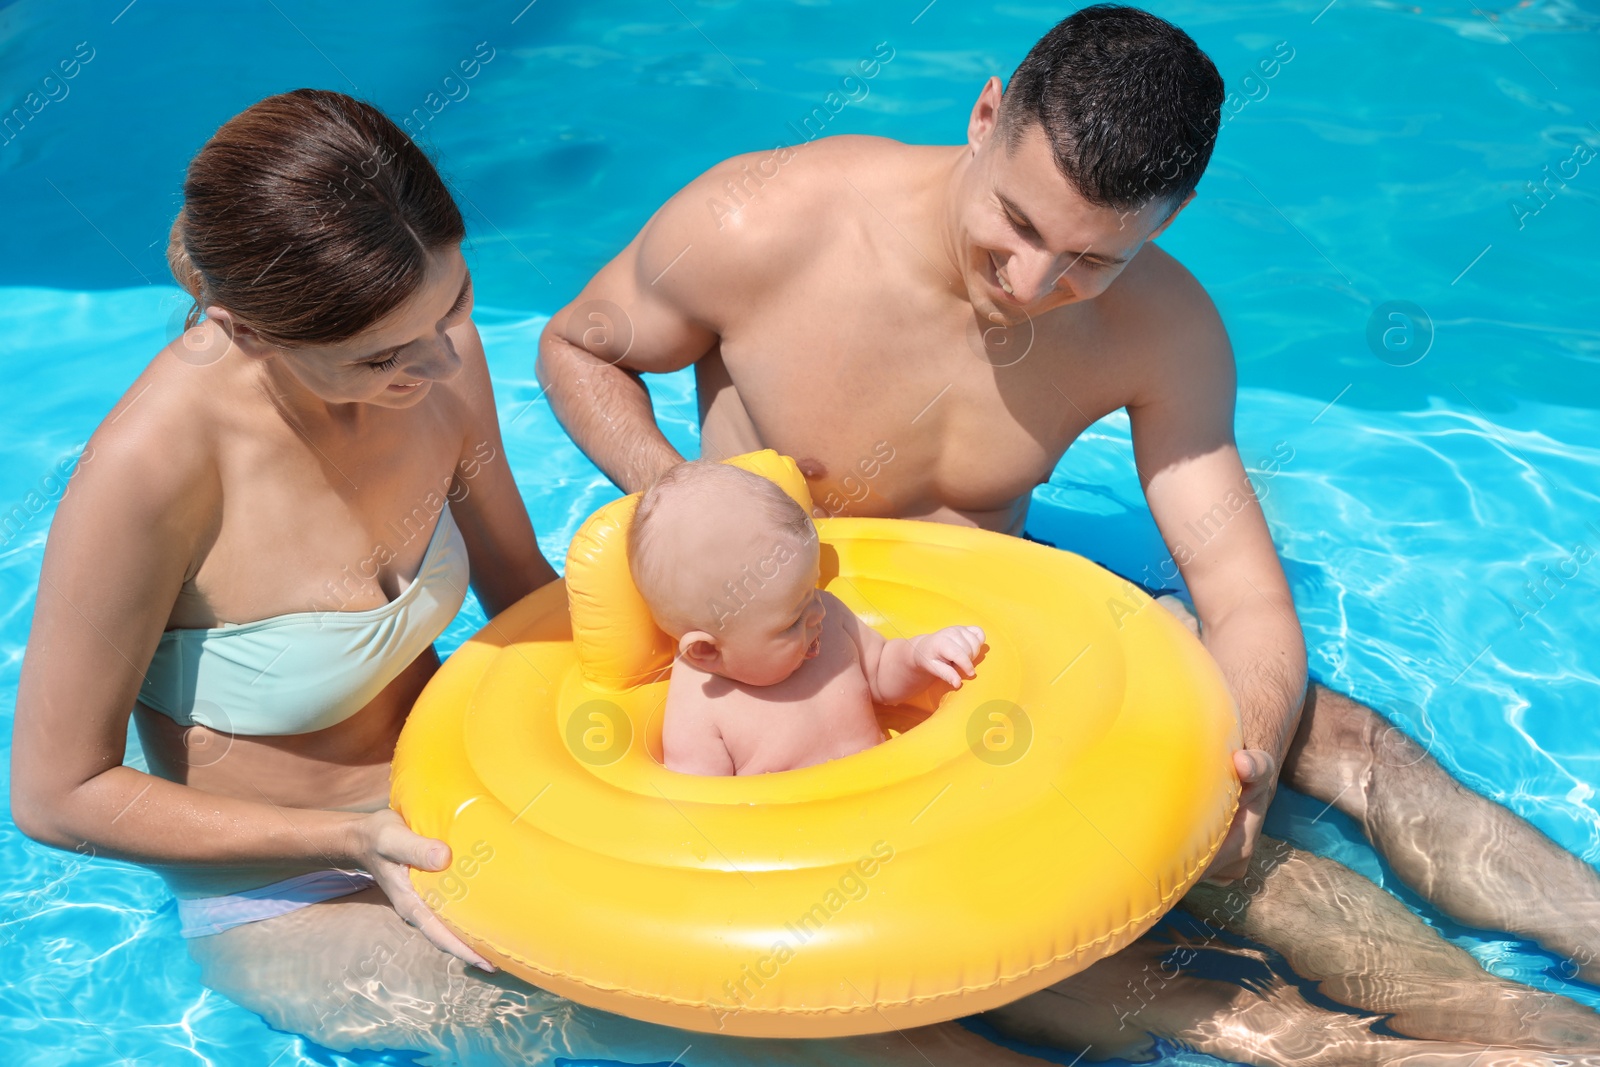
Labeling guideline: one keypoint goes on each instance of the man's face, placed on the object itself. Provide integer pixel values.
(1030, 241)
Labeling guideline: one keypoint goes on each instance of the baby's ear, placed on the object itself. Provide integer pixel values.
(701, 650)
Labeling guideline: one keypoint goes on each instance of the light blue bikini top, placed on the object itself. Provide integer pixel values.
(306, 671)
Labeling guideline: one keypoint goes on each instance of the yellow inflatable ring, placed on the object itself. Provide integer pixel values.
(1041, 818)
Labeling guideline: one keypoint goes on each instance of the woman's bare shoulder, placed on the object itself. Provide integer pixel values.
(152, 463)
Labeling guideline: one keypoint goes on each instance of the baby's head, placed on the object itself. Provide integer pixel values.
(728, 564)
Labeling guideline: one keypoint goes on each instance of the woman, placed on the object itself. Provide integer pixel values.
(244, 562)
(277, 521)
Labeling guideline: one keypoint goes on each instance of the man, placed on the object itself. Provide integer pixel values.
(928, 328)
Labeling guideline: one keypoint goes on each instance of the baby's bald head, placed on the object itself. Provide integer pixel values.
(709, 539)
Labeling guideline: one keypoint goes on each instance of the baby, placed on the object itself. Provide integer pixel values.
(772, 673)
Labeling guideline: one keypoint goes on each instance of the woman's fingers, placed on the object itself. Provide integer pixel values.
(398, 843)
(395, 849)
(395, 881)
(430, 926)
(424, 853)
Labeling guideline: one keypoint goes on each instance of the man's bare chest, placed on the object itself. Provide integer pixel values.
(895, 409)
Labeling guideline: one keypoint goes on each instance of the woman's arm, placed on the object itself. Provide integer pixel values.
(504, 553)
(121, 544)
(124, 539)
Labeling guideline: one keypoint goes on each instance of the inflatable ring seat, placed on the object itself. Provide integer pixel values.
(1041, 818)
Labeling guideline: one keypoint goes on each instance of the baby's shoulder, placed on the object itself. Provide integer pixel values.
(838, 610)
(842, 617)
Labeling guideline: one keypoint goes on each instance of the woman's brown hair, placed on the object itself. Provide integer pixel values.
(310, 216)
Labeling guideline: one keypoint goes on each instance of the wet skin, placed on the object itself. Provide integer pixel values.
(239, 480)
(927, 330)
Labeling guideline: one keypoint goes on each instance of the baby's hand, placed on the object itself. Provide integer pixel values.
(940, 653)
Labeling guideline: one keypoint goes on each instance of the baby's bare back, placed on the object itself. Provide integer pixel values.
(820, 712)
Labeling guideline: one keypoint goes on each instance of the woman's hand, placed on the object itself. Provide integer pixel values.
(386, 848)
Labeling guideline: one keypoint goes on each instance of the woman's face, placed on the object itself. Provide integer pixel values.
(396, 361)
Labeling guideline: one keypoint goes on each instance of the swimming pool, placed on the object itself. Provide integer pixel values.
(1419, 474)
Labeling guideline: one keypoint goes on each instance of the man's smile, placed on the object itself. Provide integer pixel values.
(1000, 282)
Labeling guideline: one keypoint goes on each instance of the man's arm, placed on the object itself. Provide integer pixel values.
(1212, 523)
(659, 306)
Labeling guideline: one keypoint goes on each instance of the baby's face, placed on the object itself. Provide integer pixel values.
(777, 626)
(746, 578)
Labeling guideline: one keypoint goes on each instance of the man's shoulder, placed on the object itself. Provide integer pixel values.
(758, 211)
(1159, 330)
(1159, 310)
(1160, 293)
(788, 194)
(1182, 344)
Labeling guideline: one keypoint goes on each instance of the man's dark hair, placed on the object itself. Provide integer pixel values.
(1128, 101)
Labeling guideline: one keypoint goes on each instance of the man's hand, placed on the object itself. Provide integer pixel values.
(1258, 774)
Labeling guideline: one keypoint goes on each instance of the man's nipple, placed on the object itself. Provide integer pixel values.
(812, 468)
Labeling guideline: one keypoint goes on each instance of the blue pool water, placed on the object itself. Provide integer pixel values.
(1411, 503)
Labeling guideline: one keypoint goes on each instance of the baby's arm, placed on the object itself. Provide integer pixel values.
(691, 742)
(899, 669)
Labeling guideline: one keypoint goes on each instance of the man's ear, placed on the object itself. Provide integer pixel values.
(701, 650)
(985, 113)
(1168, 220)
(242, 337)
